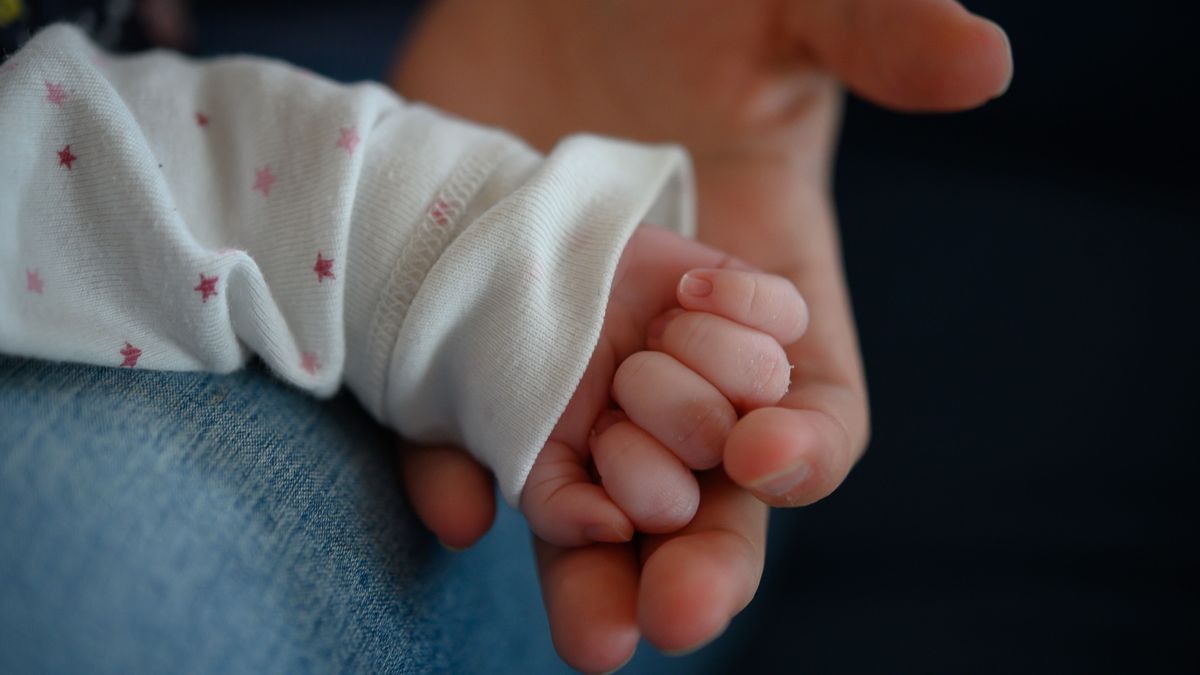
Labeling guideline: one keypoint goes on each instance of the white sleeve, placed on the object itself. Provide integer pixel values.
(157, 212)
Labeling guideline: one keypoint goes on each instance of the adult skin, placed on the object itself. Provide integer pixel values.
(753, 89)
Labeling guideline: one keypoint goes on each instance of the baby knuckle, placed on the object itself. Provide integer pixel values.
(798, 319)
(793, 302)
(769, 373)
(671, 505)
(694, 330)
(761, 302)
(706, 426)
(615, 447)
(632, 370)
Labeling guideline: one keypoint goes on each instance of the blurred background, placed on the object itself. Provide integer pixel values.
(1025, 281)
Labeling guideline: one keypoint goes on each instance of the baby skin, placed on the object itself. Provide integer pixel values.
(692, 338)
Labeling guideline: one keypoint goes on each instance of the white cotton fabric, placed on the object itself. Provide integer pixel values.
(451, 277)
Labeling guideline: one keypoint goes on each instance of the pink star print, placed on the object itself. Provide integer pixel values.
(349, 139)
(65, 157)
(263, 180)
(131, 355)
(323, 268)
(55, 93)
(33, 282)
(207, 287)
(201, 120)
(309, 362)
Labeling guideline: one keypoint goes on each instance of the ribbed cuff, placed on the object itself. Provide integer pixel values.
(500, 332)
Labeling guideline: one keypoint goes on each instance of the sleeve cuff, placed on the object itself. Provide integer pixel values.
(497, 337)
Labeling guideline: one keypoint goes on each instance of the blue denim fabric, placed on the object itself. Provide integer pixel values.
(176, 522)
(167, 522)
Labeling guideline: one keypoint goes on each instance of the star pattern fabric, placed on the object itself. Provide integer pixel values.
(55, 93)
(130, 355)
(65, 158)
(309, 363)
(33, 282)
(348, 139)
(204, 214)
(263, 180)
(207, 287)
(323, 268)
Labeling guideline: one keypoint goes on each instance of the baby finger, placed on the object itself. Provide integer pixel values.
(648, 482)
(765, 302)
(748, 366)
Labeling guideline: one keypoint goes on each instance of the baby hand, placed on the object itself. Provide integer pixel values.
(691, 340)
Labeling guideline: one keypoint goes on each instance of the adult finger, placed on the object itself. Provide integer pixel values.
(824, 418)
(590, 595)
(450, 492)
(696, 580)
(906, 54)
(790, 456)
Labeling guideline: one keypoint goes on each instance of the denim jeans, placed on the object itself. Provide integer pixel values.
(167, 522)
(178, 522)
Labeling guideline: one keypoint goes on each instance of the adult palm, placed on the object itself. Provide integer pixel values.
(753, 89)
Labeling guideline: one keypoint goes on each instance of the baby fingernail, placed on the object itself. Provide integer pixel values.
(695, 286)
(781, 482)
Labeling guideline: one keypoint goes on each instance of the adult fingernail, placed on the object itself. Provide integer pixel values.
(695, 286)
(1008, 46)
(782, 482)
(452, 549)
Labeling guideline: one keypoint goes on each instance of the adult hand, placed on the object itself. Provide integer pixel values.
(752, 89)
